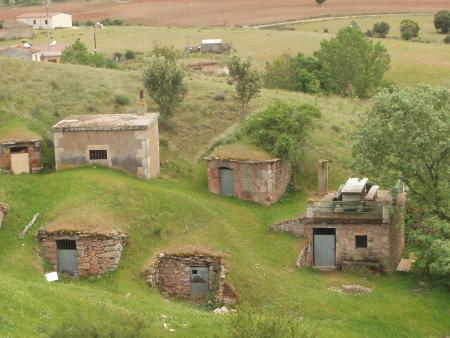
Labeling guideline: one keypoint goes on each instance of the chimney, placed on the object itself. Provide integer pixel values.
(142, 104)
(322, 177)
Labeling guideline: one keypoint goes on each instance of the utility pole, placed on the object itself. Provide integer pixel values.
(47, 5)
(95, 42)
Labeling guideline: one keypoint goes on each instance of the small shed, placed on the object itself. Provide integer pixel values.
(128, 142)
(190, 273)
(81, 249)
(247, 172)
(50, 52)
(213, 46)
(20, 151)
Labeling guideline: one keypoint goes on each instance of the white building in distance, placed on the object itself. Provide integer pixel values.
(40, 20)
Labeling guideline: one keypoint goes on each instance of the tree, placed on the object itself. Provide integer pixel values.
(442, 21)
(406, 134)
(381, 29)
(164, 81)
(79, 54)
(409, 29)
(320, 2)
(352, 65)
(247, 81)
(282, 128)
(170, 53)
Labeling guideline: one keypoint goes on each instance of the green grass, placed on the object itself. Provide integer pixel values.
(412, 62)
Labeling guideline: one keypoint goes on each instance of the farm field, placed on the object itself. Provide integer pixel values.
(412, 62)
(225, 13)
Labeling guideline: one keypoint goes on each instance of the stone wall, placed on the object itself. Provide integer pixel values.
(171, 274)
(34, 153)
(294, 226)
(259, 182)
(383, 241)
(133, 151)
(15, 30)
(97, 253)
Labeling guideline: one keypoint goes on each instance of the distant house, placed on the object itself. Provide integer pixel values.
(36, 53)
(50, 52)
(247, 172)
(127, 142)
(213, 46)
(20, 152)
(354, 229)
(15, 30)
(41, 21)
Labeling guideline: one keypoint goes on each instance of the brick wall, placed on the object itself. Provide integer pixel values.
(171, 274)
(260, 182)
(96, 253)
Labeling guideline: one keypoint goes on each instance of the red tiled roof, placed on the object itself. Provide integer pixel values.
(38, 15)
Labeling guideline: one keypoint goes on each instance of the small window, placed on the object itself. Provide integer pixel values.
(194, 272)
(46, 21)
(361, 241)
(66, 244)
(98, 154)
(34, 22)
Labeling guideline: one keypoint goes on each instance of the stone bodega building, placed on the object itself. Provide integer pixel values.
(247, 172)
(128, 142)
(20, 152)
(81, 251)
(355, 229)
(190, 273)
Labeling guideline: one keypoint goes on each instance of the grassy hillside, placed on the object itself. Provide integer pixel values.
(412, 62)
(176, 210)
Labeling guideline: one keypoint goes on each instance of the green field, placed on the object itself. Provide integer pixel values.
(176, 209)
(412, 62)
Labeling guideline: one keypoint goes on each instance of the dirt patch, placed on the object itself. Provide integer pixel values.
(226, 12)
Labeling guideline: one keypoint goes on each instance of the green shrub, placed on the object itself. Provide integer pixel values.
(122, 100)
(89, 23)
(78, 54)
(442, 21)
(129, 54)
(381, 29)
(409, 29)
(168, 52)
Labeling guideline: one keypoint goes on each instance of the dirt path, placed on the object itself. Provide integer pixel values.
(225, 12)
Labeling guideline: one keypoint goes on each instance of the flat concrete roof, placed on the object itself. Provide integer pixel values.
(354, 185)
(107, 122)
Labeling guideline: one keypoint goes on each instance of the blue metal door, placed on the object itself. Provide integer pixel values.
(67, 257)
(324, 250)
(226, 182)
(199, 281)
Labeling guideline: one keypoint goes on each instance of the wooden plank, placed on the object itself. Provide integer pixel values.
(28, 227)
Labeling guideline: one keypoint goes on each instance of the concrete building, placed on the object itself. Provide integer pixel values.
(246, 172)
(354, 229)
(20, 152)
(190, 273)
(50, 52)
(41, 21)
(81, 251)
(22, 53)
(213, 46)
(15, 30)
(128, 142)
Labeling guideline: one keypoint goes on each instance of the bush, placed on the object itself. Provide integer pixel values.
(78, 54)
(122, 100)
(381, 29)
(219, 96)
(409, 29)
(447, 39)
(248, 322)
(442, 21)
(168, 52)
(129, 54)
(282, 128)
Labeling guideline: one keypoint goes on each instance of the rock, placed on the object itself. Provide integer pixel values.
(222, 310)
(166, 326)
(355, 288)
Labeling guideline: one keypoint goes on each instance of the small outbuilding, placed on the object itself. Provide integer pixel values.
(80, 249)
(128, 142)
(247, 172)
(214, 46)
(355, 229)
(44, 20)
(20, 152)
(190, 273)
(21, 52)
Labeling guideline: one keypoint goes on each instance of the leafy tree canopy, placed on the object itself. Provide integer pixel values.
(442, 21)
(409, 29)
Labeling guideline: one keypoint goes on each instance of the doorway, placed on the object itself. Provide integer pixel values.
(324, 247)
(20, 161)
(67, 257)
(226, 181)
(199, 281)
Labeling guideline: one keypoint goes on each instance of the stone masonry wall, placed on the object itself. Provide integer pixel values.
(34, 153)
(171, 274)
(259, 182)
(294, 226)
(96, 253)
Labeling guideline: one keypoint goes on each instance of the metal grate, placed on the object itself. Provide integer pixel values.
(98, 154)
(361, 241)
(66, 244)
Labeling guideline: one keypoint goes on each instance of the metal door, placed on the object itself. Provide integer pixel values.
(324, 250)
(226, 182)
(20, 163)
(67, 257)
(199, 281)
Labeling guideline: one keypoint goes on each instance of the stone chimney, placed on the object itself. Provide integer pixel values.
(322, 177)
(142, 105)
